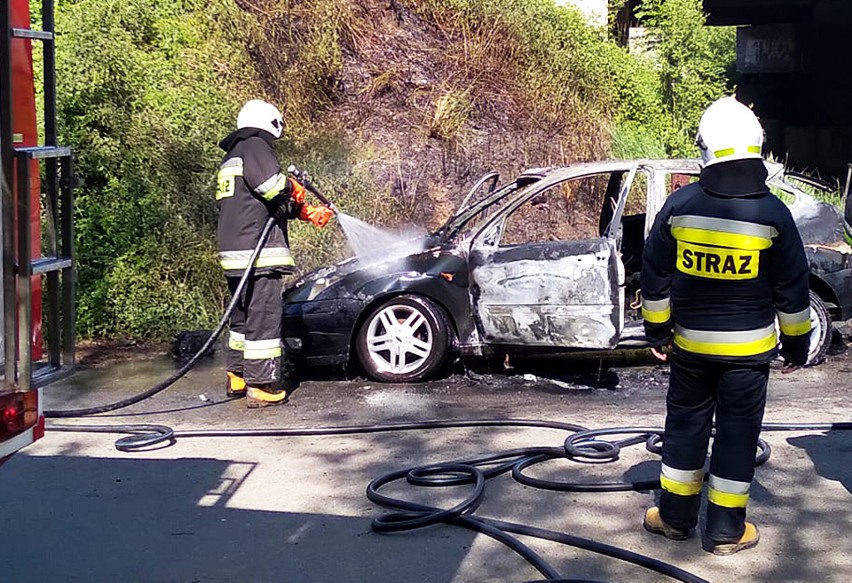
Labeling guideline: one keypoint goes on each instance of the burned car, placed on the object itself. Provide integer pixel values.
(548, 262)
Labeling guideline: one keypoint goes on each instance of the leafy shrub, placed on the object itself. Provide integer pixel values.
(140, 95)
(694, 65)
(148, 87)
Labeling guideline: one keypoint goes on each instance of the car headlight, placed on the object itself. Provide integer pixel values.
(321, 284)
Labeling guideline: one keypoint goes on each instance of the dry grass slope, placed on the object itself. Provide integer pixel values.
(428, 97)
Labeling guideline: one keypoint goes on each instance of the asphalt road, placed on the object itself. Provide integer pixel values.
(274, 509)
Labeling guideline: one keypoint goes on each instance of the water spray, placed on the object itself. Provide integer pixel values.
(370, 243)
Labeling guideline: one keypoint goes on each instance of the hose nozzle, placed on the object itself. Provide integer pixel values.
(305, 180)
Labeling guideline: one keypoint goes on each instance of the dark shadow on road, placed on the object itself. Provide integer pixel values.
(116, 520)
(831, 453)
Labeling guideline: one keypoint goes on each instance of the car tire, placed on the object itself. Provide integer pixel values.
(820, 331)
(404, 339)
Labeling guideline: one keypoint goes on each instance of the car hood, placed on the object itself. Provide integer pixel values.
(820, 224)
(353, 273)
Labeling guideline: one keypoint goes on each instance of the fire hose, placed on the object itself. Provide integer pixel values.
(582, 444)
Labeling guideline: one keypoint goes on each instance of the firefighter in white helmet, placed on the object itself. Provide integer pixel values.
(251, 188)
(723, 259)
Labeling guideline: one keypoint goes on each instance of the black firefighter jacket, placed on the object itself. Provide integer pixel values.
(250, 188)
(723, 258)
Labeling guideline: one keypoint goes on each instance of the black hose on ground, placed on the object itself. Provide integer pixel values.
(582, 444)
(66, 413)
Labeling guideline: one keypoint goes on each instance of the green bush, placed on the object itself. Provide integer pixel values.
(694, 64)
(148, 87)
(633, 140)
(140, 98)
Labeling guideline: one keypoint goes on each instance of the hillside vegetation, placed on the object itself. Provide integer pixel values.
(394, 107)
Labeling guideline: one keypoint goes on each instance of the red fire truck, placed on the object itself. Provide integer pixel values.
(36, 209)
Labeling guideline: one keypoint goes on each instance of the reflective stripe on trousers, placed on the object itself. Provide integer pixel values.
(254, 344)
(728, 493)
(236, 341)
(260, 349)
(681, 482)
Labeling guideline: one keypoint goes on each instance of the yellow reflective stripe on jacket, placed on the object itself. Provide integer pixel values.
(226, 178)
(681, 482)
(236, 341)
(795, 324)
(262, 349)
(728, 493)
(272, 186)
(719, 239)
(724, 225)
(269, 257)
(657, 311)
(718, 343)
(233, 264)
(719, 232)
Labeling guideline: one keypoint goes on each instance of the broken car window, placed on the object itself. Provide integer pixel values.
(567, 211)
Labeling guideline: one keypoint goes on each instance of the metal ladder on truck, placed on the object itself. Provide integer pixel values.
(55, 247)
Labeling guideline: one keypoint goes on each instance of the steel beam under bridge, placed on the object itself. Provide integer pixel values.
(738, 12)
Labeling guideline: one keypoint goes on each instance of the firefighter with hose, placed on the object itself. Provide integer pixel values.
(723, 259)
(251, 189)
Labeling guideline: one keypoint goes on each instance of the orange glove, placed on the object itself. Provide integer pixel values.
(318, 215)
(297, 191)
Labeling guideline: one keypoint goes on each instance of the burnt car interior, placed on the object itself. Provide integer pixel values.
(632, 231)
(480, 201)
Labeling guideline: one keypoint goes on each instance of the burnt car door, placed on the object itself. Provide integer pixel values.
(545, 270)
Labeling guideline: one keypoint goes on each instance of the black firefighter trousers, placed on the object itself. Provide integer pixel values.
(254, 345)
(737, 394)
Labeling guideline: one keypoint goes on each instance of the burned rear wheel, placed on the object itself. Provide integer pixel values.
(406, 338)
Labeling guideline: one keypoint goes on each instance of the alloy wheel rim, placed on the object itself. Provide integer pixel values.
(399, 339)
(816, 334)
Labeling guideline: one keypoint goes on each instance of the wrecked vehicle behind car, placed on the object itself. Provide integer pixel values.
(548, 262)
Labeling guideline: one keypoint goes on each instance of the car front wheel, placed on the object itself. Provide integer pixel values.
(406, 338)
(820, 331)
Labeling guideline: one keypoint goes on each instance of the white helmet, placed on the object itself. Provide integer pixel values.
(728, 131)
(261, 115)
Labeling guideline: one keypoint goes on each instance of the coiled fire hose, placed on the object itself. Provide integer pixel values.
(582, 444)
